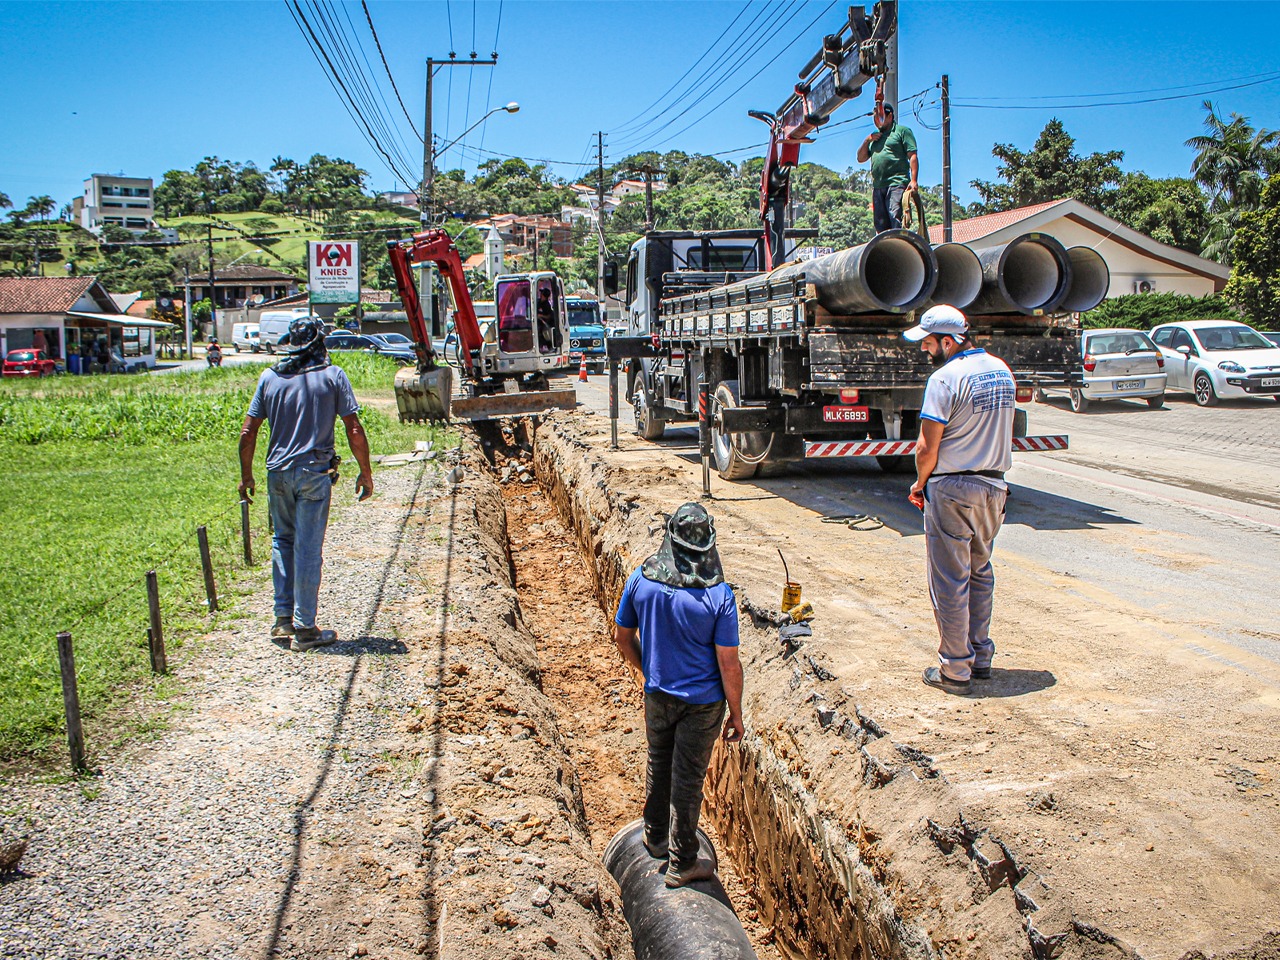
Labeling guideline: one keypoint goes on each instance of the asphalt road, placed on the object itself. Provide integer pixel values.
(1173, 513)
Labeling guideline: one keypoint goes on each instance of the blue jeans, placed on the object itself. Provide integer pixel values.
(962, 516)
(299, 503)
(886, 208)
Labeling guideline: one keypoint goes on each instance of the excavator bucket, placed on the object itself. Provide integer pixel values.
(488, 407)
(422, 396)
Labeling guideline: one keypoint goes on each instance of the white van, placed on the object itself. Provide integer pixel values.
(244, 336)
(274, 324)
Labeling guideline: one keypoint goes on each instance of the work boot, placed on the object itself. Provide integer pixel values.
(658, 849)
(934, 677)
(283, 628)
(980, 673)
(307, 638)
(680, 875)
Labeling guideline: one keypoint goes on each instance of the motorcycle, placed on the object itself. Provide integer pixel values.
(213, 356)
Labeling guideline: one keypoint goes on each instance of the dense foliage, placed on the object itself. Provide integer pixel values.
(1142, 311)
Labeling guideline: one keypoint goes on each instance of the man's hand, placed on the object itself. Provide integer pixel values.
(914, 186)
(916, 496)
(733, 728)
(364, 486)
(246, 488)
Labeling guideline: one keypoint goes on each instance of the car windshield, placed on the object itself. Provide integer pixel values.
(1218, 339)
(583, 316)
(394, 338)
(1126, 342)
(21, 356)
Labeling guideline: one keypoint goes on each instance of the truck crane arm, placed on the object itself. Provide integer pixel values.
(836, 73)
(435, 246)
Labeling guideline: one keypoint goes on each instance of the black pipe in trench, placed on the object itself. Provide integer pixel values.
(695, 922)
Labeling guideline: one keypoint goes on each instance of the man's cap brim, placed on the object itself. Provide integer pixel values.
(915, 334)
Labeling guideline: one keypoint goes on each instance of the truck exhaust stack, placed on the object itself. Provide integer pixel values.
(959, 275)
(1030, 274)
(1090, 280)
(893, 272)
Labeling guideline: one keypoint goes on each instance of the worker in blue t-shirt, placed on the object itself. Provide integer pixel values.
(677, 623)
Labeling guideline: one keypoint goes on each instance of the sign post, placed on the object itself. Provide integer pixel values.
(333, 271)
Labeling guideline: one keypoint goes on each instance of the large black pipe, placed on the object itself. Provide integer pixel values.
(695, 922)
(959, 275)
(1090, 280)
(1030, 274)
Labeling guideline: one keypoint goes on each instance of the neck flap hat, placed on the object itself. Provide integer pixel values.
(687, 557)
(306, 349)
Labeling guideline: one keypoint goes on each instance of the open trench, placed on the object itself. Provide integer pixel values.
(598, 699)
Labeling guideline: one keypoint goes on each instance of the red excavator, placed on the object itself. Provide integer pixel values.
(504, 366)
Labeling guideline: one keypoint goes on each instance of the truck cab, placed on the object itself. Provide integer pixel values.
(586, 333)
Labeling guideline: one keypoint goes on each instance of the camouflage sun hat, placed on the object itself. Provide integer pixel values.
(305, 348)
(303, 333)
(688, 555)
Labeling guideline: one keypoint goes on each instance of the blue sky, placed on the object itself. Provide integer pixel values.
(145, 87)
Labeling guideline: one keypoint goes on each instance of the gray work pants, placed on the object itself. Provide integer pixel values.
(681, 736)
(962, 516)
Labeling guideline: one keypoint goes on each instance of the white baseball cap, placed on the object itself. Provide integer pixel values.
(943, 320)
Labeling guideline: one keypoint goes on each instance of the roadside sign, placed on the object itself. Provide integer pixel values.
(333, 271)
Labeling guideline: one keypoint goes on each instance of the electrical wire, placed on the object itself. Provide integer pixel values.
(1127, 93)
(371, 79)
(1112, 103)
(488, 94)
(394, 88)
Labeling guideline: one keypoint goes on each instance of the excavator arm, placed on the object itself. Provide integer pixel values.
(435, 246)
(836, 73)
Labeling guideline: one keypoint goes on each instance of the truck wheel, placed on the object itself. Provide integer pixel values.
(647, 426)
(727, 448)
(896, 464)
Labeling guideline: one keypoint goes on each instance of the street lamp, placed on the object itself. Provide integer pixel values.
(511, 107)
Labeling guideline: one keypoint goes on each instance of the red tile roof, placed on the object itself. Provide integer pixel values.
(975, 228)
(41, 294)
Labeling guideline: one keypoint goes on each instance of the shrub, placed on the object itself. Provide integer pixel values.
(1142, 311)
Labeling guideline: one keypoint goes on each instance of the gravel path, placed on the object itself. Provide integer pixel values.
(238, 831)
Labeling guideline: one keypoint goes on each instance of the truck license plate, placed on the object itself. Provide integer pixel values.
(1130, 384)
(846, 414)
(1271, 381)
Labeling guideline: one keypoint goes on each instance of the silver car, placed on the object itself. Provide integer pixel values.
(1119, 364)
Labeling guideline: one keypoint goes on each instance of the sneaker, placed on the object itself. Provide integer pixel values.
(980, 673)
(934, 677)
(679, 875)
(307, 638)
(283, 628)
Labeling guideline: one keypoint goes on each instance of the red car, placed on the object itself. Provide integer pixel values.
(28, 363)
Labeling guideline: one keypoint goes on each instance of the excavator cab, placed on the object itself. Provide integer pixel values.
(532, 325)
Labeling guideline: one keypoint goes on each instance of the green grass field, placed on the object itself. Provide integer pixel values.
(111, 478)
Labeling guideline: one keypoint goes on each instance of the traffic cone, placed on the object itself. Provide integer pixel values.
(582, 370)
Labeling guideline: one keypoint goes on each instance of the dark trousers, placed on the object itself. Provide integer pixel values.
(886, 207)
(681, 736)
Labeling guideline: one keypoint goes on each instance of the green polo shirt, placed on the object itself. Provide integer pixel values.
(891, 157)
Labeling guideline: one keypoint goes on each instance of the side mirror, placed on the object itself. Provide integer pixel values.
(610, 276)
(1184, 350)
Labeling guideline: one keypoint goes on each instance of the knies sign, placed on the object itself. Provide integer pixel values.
(333, 271)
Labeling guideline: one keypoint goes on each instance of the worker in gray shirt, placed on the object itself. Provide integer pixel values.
(964, 449)
(300, 398)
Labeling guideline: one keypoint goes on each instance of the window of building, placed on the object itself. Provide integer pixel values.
(110, 203)
(136, 223)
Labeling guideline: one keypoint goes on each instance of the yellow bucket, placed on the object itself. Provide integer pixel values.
(790, 595)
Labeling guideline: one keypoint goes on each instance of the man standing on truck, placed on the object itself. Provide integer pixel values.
(677, 623)
(300, 397)
(966, 435)
(895, 168)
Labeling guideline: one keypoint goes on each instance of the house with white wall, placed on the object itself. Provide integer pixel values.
(1137, 263)
(117, 201)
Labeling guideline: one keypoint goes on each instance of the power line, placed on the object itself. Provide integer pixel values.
(394, 88)
(370, 82)
(1126, 93)
(488, 94)
(1114, 103)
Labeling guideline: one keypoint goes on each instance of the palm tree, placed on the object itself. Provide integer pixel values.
(1232, 162)
(41, 206)
(5, 202)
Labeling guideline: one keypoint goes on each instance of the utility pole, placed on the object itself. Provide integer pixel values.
(213, 300)
(427, 292)
(186, 310)
(648, 170)
(946, 159)
(600, 246)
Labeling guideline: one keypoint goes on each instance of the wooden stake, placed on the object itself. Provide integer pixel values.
(244, 533)
(71, 700)
(155, 634)
(210, 588)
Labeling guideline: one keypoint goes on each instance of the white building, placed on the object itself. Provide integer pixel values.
(1137, 263)
(117, 201)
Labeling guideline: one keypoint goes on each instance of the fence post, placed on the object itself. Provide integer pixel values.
(210, 589)
(71, 700)
(244, 533)
(155, 635)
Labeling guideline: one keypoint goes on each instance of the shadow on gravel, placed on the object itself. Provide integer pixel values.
(364, 643)
(1014, 682)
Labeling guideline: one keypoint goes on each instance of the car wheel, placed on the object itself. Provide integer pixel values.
(1079, 402)
(1155, 403)
(1204, 394)
(648, 427)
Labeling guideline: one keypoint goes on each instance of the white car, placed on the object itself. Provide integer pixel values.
(1119, 364)
(1216, 359)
